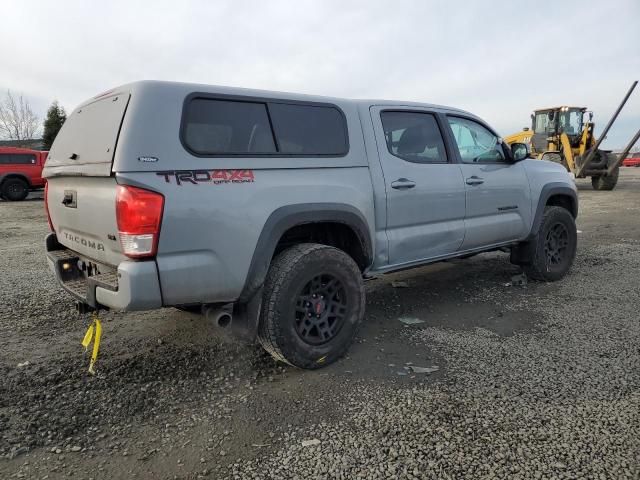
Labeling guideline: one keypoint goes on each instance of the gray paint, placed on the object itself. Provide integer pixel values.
(505, 186)
(424, 221)
(290, 216)
(216, 241)
(549, 190)
(87, 226)
(88, 140)
(138, 288)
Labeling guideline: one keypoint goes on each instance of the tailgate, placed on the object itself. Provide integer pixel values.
(83, 213)
(87, 141)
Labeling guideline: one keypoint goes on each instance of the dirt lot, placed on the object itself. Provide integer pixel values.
(541, 381)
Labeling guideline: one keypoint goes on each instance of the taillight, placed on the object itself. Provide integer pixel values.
(46, 205)
(139, 214)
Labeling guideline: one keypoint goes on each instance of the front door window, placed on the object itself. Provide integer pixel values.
(476, 143)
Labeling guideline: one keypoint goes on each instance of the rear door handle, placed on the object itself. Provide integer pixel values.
(403, 184)
(474, 180)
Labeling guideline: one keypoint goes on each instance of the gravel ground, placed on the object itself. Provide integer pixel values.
(535, 381)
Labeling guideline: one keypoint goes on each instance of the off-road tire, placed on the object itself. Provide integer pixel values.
(540, 266)
(290, 273)
(606, 183)
(15, 189)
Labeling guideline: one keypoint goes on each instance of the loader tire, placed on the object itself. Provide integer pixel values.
(607, 182)
(313, 303)
(553, 248)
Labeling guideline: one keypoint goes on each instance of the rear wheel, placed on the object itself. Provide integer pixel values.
(554, 246)
(607, 182)
(15, 189)
(312, 306)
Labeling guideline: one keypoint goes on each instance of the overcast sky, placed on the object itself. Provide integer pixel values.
(498, 59)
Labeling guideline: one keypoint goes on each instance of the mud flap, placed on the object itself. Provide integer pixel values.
(523, 253)
(246, 317)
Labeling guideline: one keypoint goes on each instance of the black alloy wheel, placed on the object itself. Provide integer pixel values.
(556, 242)
(321, 307)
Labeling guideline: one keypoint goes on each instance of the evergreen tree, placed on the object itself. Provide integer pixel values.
(53, 123)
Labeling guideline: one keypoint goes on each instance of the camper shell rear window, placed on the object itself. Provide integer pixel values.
(223, 126)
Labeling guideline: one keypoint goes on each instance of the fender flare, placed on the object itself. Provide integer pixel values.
(290, 216)
(549, 190)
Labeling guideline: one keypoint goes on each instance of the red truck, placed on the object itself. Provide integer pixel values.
(20, 172)
(632, 160)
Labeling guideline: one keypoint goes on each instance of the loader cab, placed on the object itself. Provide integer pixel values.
(549, 123)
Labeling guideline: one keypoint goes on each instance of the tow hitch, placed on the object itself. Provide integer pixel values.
(84, 308)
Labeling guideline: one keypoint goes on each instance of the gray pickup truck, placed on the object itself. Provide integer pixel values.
(266, 211)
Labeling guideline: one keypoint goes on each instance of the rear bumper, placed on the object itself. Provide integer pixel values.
(133, 286)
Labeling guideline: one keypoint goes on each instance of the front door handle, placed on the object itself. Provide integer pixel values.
(403, 184)
(474, 180)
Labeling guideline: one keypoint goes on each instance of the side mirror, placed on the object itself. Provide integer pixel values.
(519, 151)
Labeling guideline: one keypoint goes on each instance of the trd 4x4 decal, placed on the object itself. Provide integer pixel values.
(208, 176)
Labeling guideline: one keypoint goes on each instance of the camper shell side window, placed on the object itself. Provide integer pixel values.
(224, 126)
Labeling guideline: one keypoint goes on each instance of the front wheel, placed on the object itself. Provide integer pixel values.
(607, 182)
(313, 304)
(554, 246)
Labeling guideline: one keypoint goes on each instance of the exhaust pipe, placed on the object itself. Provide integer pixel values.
(221, 317)
(237, 321)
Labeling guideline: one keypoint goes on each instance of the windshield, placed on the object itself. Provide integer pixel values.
(571, 121)
(542, 122)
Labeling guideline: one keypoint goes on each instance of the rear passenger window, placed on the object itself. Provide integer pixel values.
(309, 129)
(17, 158)
(214, 126)
(220, 126)
(413, 136)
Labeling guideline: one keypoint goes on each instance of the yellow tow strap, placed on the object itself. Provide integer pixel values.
(97, 327)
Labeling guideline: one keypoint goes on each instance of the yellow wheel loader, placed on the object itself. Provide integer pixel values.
(562, 135)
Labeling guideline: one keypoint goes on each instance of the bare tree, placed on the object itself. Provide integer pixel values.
(17, 120)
